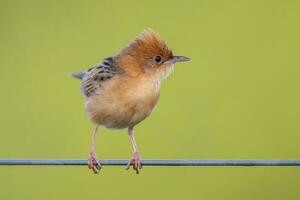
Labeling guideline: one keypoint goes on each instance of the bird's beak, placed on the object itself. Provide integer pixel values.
(175, 59)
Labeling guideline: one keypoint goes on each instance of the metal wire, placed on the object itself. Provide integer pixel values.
(154, 162)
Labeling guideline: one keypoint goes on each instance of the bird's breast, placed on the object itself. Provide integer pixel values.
(123, 103)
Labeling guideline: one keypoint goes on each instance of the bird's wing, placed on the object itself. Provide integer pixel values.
(95, 76)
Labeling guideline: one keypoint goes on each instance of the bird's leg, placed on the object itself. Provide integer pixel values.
(93, 162)
(135, 160)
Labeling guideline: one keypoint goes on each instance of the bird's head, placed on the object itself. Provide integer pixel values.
(150, 55)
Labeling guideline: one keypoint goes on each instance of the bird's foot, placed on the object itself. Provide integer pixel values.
(136, 163)
(93, 162)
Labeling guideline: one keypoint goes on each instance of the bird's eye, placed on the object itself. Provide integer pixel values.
(157, 59)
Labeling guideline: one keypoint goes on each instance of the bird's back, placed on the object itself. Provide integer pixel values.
(94, 77)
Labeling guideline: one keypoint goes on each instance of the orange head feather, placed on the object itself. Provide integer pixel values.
(148, 53)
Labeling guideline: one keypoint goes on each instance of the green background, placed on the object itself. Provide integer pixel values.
(238, 98)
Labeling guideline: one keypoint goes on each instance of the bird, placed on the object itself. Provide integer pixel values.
(123, 90)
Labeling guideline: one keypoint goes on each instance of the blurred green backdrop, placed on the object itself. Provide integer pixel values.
(238, 98)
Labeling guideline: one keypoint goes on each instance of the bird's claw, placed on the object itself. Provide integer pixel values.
(93, 162)
(136, 163)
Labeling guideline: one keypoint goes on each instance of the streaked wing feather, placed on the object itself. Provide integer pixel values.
(95, 76)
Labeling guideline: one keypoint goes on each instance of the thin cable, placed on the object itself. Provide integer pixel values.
(154, 162)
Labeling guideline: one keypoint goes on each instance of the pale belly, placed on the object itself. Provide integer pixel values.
(122, 109)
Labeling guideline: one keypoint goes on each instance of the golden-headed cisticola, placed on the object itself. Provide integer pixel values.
(122, 90)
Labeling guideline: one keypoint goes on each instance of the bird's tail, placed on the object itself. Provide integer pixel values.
(78, 75)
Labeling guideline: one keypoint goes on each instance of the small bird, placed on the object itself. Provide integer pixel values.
(122, 90)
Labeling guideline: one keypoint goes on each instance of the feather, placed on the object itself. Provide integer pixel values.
(78, 75)
(95, 76)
